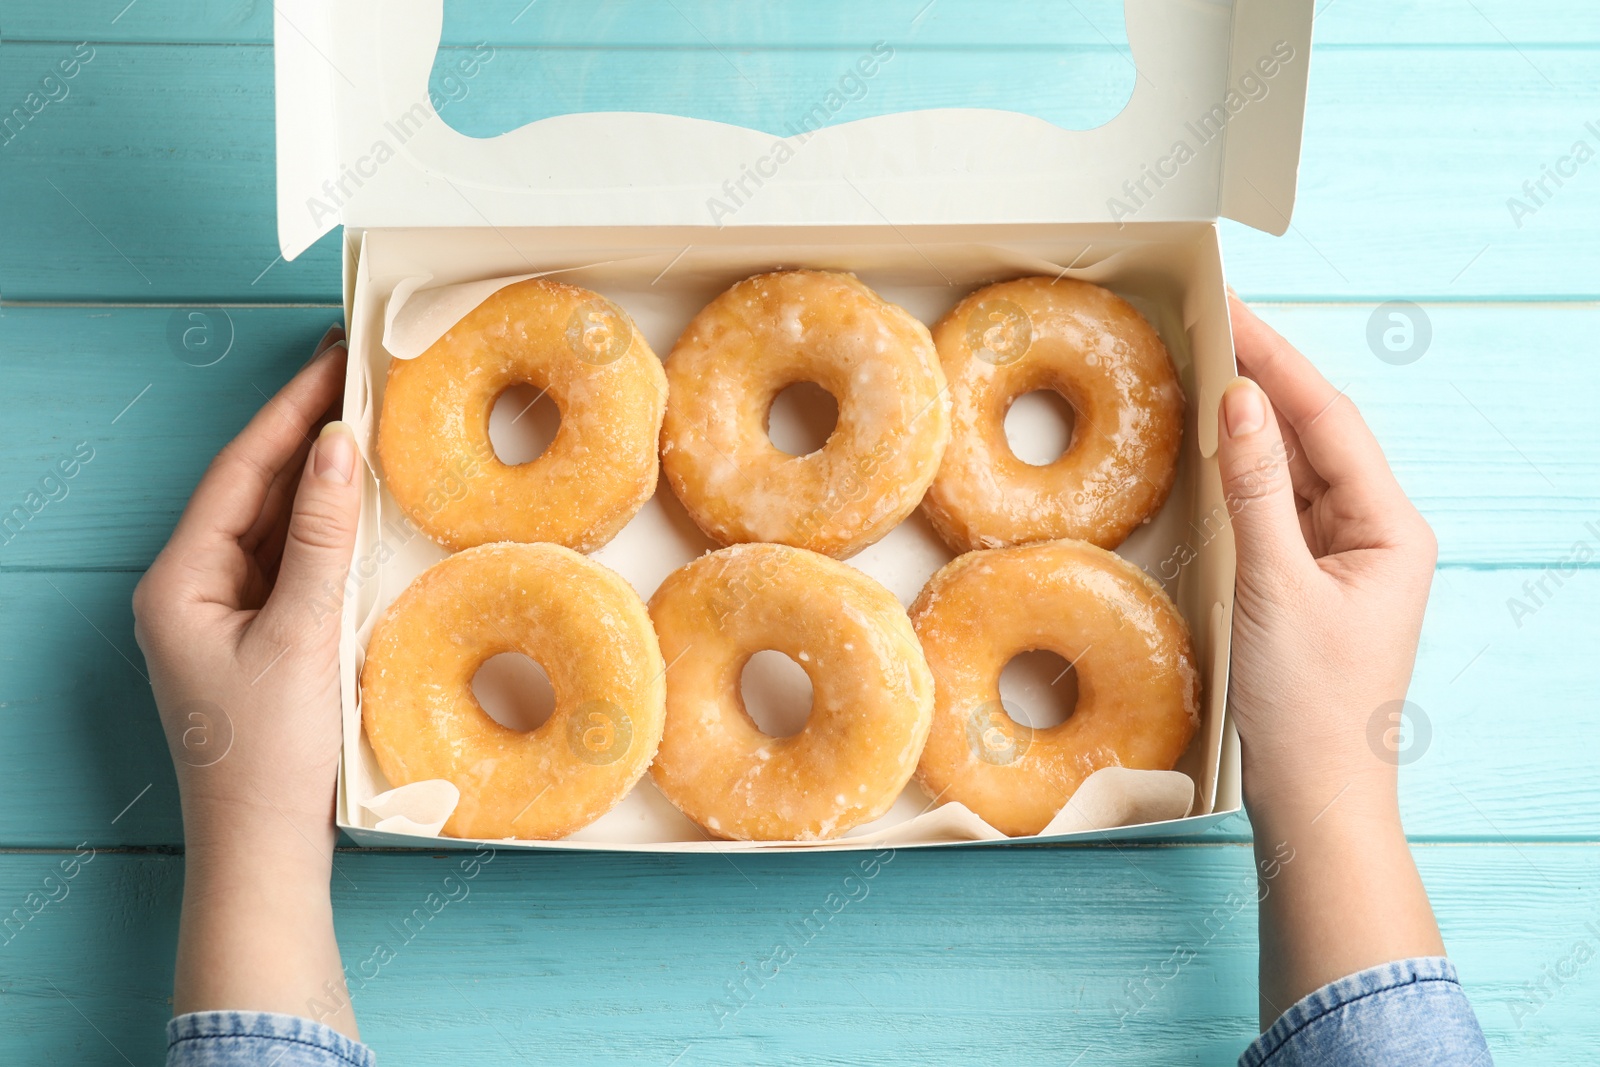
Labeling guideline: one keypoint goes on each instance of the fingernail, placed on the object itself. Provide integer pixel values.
(336, 454)
(316, 355)
(1242, 408)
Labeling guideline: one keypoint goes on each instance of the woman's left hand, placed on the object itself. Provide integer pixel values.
(238, 618)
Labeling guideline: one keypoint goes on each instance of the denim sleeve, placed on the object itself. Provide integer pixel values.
(259, 1039)
(1411, 1011)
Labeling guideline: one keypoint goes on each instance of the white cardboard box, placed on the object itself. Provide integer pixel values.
(925, 206)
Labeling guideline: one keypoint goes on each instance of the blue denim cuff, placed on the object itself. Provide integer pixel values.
(254, 1038)
(1411, 1011)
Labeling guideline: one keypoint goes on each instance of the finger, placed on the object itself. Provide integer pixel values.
(1335, 438)
(331, 337)
(1255, 483)
(266, 537)
(230, 496)
(309, 590)
(265, 540)
(275, 506)
(1308, 484)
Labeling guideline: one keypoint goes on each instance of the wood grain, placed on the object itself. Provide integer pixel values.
(596, 959)
(121, 381)
(1490, 766)
(153, 179)
(1505, 475)
(617, 23)
(151, 183)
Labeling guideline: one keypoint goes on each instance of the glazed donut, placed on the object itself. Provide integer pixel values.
(872, 695)
(760, 337)
(582, 623)
(1138, 689)
(587, 355)
(1090, 346)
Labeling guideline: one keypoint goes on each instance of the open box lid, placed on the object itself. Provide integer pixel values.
(1212, 129)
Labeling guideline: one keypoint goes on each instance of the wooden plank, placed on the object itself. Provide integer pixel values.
(1411, 162)
(1487, 427)
(1504, 696)
(1505, 749)
(1494, 23)
(1022, 956)
(153, 179)
(77, 718)
(1506, 474)
(627, 23)
(119, 385)
(618, 22)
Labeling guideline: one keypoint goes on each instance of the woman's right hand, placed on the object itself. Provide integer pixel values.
(1334, 569)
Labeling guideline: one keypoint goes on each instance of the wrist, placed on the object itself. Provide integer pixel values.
(1297, 788)
(246, 887)
(277, 847)
(1323, 812)
(257, 934)
(245, 822)
(1354, 833)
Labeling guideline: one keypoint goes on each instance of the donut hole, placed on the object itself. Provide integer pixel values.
(802, 418)
(522, 423)
(1039, 689)
(776, 692)
(1039, 427)
(515, 691)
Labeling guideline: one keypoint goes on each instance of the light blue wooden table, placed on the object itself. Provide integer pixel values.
(143, 189)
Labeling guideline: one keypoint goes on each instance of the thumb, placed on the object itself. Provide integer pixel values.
(309, 591)
(1255, 483)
